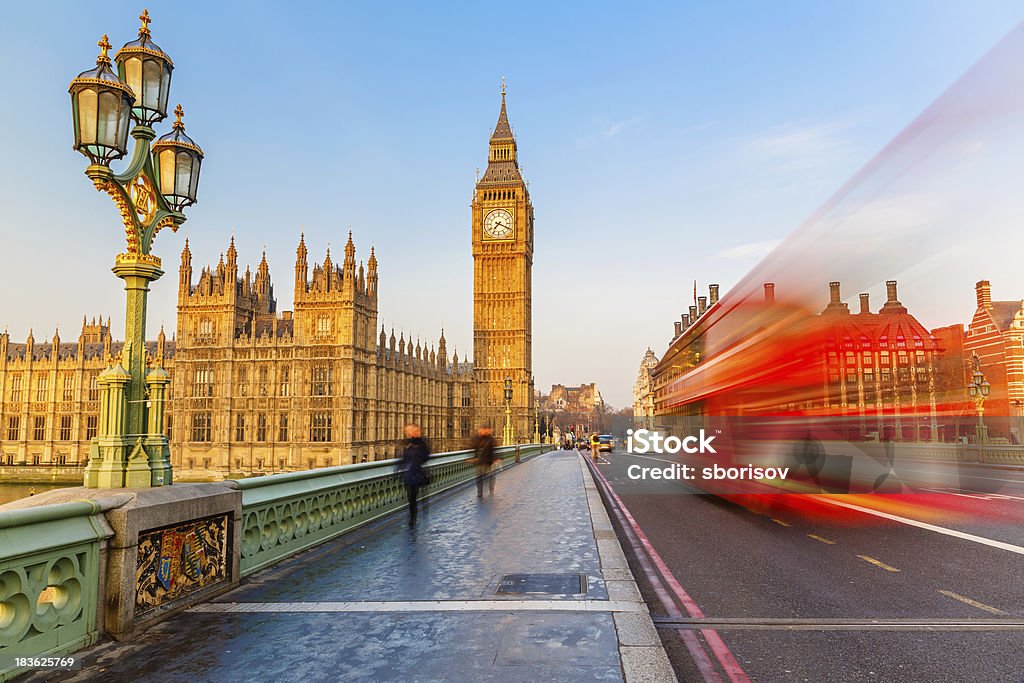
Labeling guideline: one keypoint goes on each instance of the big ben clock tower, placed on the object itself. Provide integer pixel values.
(502, 286)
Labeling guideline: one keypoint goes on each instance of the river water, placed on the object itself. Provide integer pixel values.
(9, 492)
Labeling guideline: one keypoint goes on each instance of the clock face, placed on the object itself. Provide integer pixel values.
(498, 224)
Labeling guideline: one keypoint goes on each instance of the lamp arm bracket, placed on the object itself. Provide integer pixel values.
(144, 220)
(142, 159)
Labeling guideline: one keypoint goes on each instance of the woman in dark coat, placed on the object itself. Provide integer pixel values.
(411, 465)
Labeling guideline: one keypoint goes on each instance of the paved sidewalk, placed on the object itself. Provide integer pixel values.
(421, 604)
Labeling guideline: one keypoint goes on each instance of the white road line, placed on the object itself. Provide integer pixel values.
(962, 495)
(425, 606)
(1003, 496)
(924, 525)
(962, 475)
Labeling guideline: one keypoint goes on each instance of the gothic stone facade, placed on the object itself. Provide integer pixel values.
(49, 397)
(253, 390)
(643, 392)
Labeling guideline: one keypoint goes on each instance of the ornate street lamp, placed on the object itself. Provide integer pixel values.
(979, 390)
(509, 436)
(130, 449)
(177, 164)
(147, 71)
(1019, 409)
(101, 105)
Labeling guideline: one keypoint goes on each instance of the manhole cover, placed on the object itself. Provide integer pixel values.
(542, 584)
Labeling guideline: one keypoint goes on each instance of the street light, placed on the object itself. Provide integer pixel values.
(1019, 406)
(178, 160)
(130, 449)
(508, 437)
(147, 71)
(979, 390)
(101, 104)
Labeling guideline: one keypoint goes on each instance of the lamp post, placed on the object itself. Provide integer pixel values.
(509, 436)
(130, 449)
(979, 390)
(1019, 409)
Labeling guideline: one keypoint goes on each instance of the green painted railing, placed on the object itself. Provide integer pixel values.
(49, 579)
(283, 514)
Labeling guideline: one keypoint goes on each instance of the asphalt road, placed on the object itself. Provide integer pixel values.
(914, 585)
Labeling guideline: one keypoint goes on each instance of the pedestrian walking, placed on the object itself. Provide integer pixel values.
(483, 454)
(411, 465)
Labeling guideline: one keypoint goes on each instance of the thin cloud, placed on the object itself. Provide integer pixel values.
(800, 145)
(617, 128)
(748, 251)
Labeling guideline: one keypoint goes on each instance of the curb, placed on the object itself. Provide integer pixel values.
(641, 652)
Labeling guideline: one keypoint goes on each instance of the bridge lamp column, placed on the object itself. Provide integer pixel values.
(1018, 407)
(979, 390)
(509, 436)
(160, 180)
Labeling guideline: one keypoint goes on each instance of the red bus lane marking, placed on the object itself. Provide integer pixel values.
(718, 647)
(700, 657)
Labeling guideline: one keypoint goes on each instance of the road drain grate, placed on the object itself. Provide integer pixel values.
(542, 584)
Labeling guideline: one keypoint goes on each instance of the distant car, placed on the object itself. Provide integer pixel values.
(584, 446)
(606, 443)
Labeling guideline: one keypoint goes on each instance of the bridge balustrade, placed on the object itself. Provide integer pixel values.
(283, 514)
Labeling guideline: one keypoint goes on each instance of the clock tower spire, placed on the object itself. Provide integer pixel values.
(502, 239)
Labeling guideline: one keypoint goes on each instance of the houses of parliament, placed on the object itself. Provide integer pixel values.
(258, 390)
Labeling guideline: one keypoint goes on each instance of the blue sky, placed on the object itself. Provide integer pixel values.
(663, 144)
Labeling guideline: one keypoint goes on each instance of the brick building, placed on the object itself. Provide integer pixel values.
(996, 335)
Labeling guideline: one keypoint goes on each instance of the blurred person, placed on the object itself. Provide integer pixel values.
(414, 457)
(887, 481)
(483, 455)
(807, 460)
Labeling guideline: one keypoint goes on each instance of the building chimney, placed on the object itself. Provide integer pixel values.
(833, 293)
(892, 303)
(984, 291)
(835, 305)
(890, 292)
(702, 304)
(769, 292)
(693, 314)
(865, 305)
(678, 328)
(686, 320)
(713, 289)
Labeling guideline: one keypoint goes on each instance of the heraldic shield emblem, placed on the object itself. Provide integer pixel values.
(175, 561)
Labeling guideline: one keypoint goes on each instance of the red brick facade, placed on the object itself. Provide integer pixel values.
(996, 335)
